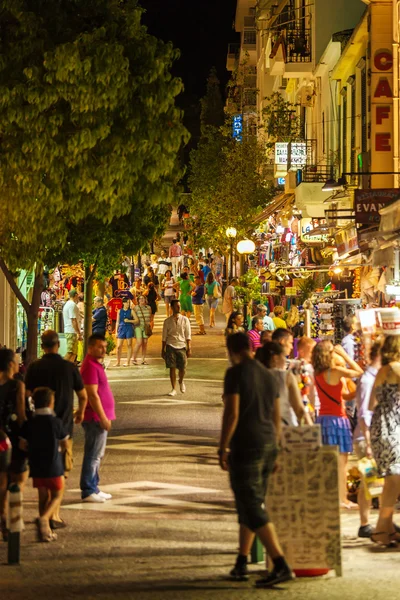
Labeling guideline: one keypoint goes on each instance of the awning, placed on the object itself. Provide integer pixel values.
(279, 203)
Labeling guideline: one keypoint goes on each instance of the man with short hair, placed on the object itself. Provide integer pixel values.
(99, 414)
(285, 338)
(267, 321)
(175, 254)
(248, 444)
(348, 342)
(72, 330)
(64, 379)
(99, 316)
(229, 295)
(176, 345)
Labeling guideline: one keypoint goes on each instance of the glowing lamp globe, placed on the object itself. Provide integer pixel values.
(246, 247)
(231, 232)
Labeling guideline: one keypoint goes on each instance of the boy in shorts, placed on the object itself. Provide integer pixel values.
(45, 437)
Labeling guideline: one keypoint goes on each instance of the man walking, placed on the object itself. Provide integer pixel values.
(176, 345)
(99, 414)
(99, 316)
(72, 330)
(175, 254)
(248, 449)
(63, 377)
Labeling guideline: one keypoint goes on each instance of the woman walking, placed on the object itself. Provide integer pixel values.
(335, 424)
(213, 291)
(152, 298)
(169, 291)
(13, 461)
(142, 318)
(385, 438)
(185, 287)
(124, 328)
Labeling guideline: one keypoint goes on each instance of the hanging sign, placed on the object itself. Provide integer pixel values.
(281, 153)
(293, 155)
(368, 203)
(237, 127)
(346, 241)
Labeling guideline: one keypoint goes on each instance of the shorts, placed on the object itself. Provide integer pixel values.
(249, 480)
(168, 299)
(72, 343)
(198, 313)
(68, 457)
(140, 334)
(125, 333)
(175, 358)
(54, 484)
(212, 302)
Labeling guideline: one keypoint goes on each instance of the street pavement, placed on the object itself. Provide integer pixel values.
(170, 530)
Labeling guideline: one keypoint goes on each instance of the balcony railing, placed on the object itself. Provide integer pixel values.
(297, 43)
(233, 50)
(316, 173)
(249, 38)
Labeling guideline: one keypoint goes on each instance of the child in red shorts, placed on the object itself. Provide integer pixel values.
(44, 436)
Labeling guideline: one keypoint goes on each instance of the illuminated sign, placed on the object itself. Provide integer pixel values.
(281, 180)
(237, 127)
(368, 203)
(293, 155)
(306, 232)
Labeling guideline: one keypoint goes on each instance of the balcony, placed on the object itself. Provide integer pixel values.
(316, 174)
(291, 54)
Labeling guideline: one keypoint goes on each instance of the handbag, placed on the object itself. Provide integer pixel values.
(352, 416)
(216, 292)
(147, 327)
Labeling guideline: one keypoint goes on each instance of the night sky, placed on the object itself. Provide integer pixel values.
(201, 30)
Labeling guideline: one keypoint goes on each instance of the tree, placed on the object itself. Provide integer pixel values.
(281, 122)
(212, 108)
(88, 127)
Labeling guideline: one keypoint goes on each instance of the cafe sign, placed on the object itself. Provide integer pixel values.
(368, 203)
(291, 155)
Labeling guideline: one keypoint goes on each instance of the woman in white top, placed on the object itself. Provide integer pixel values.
(293, 411)
(169, 291)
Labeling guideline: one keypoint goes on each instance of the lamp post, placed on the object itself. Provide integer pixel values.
(245, 247)
(231, 235)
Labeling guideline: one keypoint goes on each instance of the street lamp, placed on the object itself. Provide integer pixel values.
(245, 247)
(231, 235)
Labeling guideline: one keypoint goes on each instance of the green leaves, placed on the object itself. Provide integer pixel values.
(88, 126)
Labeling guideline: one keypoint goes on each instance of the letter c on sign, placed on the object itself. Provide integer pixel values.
(383, 60)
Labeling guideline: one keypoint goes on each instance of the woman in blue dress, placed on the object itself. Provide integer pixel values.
(125, 331)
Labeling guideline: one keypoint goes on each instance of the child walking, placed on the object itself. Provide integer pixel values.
(44, 436)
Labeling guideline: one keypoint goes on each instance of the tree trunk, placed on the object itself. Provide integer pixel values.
(87, 326)
(102, 289)
(32, 315)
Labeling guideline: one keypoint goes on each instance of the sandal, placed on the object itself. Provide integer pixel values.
(45, 534)
(349, 505)
(390, 544)
(134, 362)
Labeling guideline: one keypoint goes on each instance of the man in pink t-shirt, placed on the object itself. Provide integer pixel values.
(99, 413)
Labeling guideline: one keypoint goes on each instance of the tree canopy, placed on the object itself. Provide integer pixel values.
(88, 122)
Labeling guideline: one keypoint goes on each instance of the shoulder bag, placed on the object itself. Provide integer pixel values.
(216, 292)
(147, 327)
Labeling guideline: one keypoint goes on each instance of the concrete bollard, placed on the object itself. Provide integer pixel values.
(14, 523)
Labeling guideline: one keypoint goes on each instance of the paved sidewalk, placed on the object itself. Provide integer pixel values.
(170, 530)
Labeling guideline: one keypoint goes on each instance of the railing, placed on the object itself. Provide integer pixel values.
(297, 42)
(249, 37)
(316, 173)
(233, 50)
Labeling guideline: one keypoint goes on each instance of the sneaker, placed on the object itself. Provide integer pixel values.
(240, 573)
(183, 387)
(94, 498)
(365, 531)
(172, 393)
(275, 577)
(105, 495)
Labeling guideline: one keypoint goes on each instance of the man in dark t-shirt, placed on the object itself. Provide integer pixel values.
(248, 449)
(64, 379)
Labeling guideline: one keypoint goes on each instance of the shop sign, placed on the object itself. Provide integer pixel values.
(368, 203)
(293, 155)
(306, 236)
(237, 127)
(346, 241)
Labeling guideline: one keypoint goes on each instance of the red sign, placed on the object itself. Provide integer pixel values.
(368, 203)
